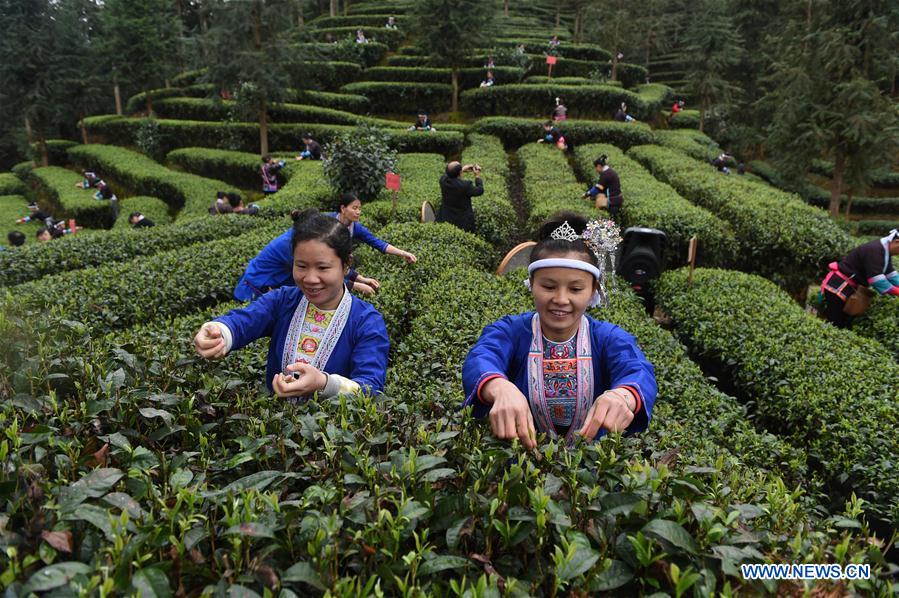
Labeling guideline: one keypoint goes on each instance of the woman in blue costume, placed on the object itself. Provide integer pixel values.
(323, 339)
(555, 370)
(349, 211)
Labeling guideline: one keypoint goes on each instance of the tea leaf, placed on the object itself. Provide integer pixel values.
(673, 533)
(303, 572)
(441, 563)
(152, 582)
(55, 576)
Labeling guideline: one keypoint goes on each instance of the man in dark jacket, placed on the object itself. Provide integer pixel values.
(455, 207)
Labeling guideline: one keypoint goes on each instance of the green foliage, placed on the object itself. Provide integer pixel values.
(589, 52)
(518, 131)
(336, 101)
(396, 97)
(544, 80)
(240, 169)
(803, 376)
(139, 175)
(449, 32)
(550, 185)
(282, 137)
(152, 208)
(13, 207)
(56, 151)
(685, 119)
(83, 250)
(369, 22)
(10, 184)
(148, 139)
(359, 161)
(779, 235)
(138, 101)
(582, 100)
(468, 77)
(650, 203)
(347, 51)
(166, 284)
(55, 187)
(391, 38)
(306, 187)
(692, 143)
(881, 323)
(495, 217)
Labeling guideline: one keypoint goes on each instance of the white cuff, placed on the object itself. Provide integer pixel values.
(338, 385)
(226, 334)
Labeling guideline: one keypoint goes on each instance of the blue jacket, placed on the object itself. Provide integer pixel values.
(503, 350)
(361, 351)
(272, 268)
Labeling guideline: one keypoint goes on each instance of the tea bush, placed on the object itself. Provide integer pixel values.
(518, 131)
(648, 202)
(13, 207)
(241, 169)
(692, 143)
(468, 77)
(337, 101)
(826, 390)
(778, 234)
(550, 185)
(306, 187)
(881, 322)
(388, 97)
(685, 119)
(495, 217)
(380, 35)
(54, 186)
(527, 99)
(365, 21)
(140, 175)
(10, 184)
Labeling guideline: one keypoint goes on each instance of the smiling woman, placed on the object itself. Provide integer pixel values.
(323, 339)
(555, 370)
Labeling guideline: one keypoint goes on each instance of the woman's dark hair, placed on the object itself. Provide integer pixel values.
(16, 238)
(134, 215)
(601, 161)
(312, 225)
(346, 199)
(548, 123)
(548, 247)
(105, 192)
(266, 159)
(233, 199)
(41, 231)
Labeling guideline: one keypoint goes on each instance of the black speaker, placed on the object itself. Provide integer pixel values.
(641, 259)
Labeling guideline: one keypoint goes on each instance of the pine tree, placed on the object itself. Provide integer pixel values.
(249, 54)
(829, 95)
(450, 30)
(713, 48)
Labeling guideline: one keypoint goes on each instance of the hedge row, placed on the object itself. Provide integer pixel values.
(138, 102)
(648, 202)
(240, 169)
(152, 208)
(368, 21)
(550, 185)
(140, 175)
(56, 151)
(218, 110)
(882, 178)
(393, 98)
(163, 285)
(495, 216)
(391, 38)
(588, 52)
(10, 184)
(245, 136)
(877, 228)
(881, 323)
(337, 101)
(331, 75)
(54, 187)
(517, 131)
(779, 235)
(468, 77)
(544, 80)
(306, 187)
(347, 51)
(525, 99)
(823, 389)
(692, 143)
(75, 252)
(685, 119)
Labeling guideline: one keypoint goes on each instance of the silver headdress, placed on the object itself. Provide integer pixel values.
(602, 237)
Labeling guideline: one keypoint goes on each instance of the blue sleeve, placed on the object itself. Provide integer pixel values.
(893, 277)
(368, 238)
(628, 366)
(369, 360)
(490, 357)
(253, 321)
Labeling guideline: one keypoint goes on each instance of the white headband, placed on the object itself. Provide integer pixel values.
(560, 262)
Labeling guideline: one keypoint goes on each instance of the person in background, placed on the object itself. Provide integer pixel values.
(422, 123)
(324, 340)
(560, 112)
(312, 151)
(43, 234)
(271, 269)
(721, 162)
(90, 180)
(677, 107)
(868, 266)
(391, 23)
(489, 81)
(556, 370)
(622, 115)
(16, 238)
(455, 206)
(554, 42)
(36, 215)
(489, 65)
(608, 184)
(553, 135)
(520, 49)
(360, 37)
(236, 202)
(349, 211)
(220, 205)
(104, 192)
(269, 171)
(138, 220)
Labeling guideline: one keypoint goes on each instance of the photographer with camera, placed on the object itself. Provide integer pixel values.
(455, 206)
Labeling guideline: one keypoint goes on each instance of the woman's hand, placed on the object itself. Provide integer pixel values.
(363, 288)
(209, 342)
(311, 379)
(613, 410)
(410, 258)
(510, 416)
(372, 282)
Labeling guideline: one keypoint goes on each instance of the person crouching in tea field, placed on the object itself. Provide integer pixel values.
(272, 268)
(608, 184)
(555, 370)
(323, 339)
(868, 266)
(349, 211)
